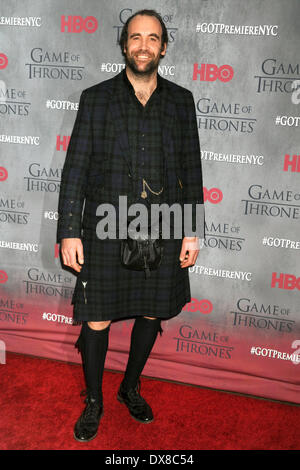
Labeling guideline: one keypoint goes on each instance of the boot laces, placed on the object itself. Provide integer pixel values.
(90, 413)
(136, 400)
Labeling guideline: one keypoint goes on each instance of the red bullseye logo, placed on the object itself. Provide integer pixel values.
(3, 173)
(3, 277)
(3, 61)
(213, 195)
(204, 306)
(225, 73)
(90, 24)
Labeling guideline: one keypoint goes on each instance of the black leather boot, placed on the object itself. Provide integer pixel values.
(137, 406)
(87, 425)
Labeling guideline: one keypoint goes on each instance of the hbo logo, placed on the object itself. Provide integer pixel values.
(211, 72)
(76, 24)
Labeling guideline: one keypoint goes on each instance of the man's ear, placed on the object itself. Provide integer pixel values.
(163, 49)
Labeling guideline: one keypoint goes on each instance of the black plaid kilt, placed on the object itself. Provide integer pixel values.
(114, 292)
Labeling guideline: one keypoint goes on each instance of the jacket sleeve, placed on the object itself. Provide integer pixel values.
(192, 172)
(75, 175)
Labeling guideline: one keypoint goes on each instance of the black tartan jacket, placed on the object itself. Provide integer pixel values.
(97, 167)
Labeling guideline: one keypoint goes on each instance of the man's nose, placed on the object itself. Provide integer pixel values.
(144, 44)
(143, 50)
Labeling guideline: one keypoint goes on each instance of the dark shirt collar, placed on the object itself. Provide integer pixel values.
(131, 89)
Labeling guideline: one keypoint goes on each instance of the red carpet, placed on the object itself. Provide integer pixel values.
(40, 403)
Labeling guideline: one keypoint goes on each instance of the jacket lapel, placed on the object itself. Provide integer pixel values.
(117, 108)
(168, 112)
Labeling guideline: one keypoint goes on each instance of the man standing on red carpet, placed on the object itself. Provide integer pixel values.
(135, 135)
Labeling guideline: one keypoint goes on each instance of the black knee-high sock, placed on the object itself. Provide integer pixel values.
(93, 345)
(143, 336)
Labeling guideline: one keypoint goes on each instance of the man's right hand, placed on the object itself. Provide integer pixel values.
(72, 253)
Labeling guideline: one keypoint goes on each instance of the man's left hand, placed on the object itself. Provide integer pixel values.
(189, 251)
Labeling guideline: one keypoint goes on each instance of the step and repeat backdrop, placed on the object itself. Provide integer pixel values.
(241, 330)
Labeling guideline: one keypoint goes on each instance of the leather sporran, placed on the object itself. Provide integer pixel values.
(140, 252)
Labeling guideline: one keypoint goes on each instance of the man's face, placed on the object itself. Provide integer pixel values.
(144, 47)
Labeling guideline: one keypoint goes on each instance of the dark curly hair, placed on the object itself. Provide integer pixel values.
(124, 33)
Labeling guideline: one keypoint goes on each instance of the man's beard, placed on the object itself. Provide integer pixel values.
(148, 70)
